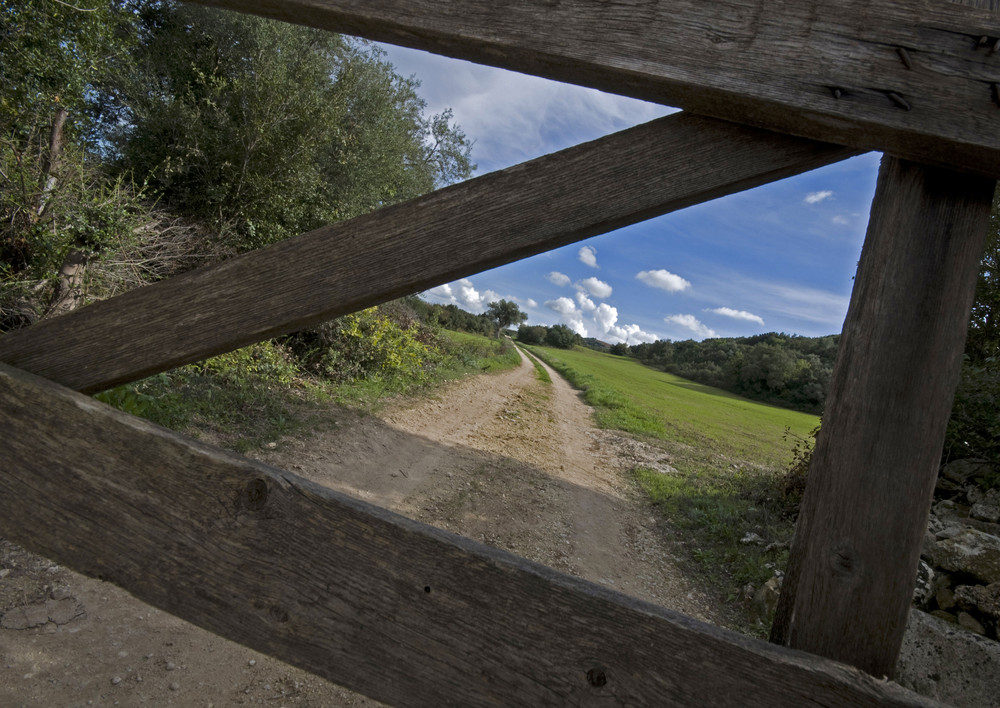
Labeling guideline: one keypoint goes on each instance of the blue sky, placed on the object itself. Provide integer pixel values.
(776, 258)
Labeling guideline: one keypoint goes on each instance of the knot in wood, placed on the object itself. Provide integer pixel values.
(843, 560)
(596, 677)
(255, 494)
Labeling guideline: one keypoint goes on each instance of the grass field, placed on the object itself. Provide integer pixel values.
(730, 455)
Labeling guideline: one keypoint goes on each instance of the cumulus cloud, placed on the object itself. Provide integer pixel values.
(597, 288)
(529, 302)
(557, 278)
(465, 295)
(692, 323)
(599, 321)
(817, 197)
(569, 315)
(738, 314)
(585, 303)
(588, 256)
(664, 280)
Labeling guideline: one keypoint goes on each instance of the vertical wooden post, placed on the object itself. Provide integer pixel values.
(850, 578)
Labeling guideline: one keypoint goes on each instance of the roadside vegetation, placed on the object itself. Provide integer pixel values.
(252, 397)
(729, 491)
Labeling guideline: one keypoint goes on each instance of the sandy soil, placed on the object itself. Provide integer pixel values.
(504, 459)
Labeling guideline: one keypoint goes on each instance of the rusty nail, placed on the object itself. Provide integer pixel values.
(898, 100)
(905, 56)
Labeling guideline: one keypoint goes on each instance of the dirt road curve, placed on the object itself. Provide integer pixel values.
(504, 459)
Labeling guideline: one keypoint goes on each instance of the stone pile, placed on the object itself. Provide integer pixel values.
(959, 578)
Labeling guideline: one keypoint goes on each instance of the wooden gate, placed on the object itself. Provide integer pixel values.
(412, 615)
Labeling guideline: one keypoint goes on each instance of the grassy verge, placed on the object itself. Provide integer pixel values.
(729, 455)
(541, 373)
(256, 395)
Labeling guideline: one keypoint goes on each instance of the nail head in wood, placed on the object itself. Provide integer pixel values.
(905, 57)
(899, 100)
(837, 93)
(596, 677)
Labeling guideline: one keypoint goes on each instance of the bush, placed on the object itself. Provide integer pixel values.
(366, 344)
(561, 336)
(531, 334)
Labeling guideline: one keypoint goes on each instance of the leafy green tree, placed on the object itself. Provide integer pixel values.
(58, 211)
(531, 335)
(561, 336)
(503, 314)
(269, 129)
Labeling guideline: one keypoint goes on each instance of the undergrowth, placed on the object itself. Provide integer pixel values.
(252, 397)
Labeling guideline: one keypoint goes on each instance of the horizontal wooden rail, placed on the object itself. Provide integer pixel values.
(586, 190)
(915, 78)
(403, 612)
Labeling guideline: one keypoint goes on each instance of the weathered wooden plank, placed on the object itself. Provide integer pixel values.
(403, 612)
(857, 543)
(911, 78)
(568, 196)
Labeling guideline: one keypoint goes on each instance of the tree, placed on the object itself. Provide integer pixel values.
(504, 314)
(58, 211)
(561, 336)
(267, 129)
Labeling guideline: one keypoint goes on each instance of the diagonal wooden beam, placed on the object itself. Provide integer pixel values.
(406, 613)
(586, 190)
(915, 78)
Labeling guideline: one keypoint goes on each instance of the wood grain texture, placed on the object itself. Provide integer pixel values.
(861, 525)
(403, 612)
(586, 190)
(824, 70)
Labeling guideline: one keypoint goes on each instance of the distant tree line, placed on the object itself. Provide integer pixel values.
(782, 369)
(559, 336)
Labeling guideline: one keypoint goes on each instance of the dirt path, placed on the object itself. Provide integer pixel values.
(504, 459)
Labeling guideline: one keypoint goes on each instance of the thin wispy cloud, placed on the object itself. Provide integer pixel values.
(664, 280)
(738, 314)
(817, 197)
(557, 278)
(588, 256)
(692, 323)
(597, 288)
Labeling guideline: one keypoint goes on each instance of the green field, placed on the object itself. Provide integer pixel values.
(730, 457)
(629, 396)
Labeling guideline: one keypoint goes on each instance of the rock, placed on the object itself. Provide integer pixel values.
(987, 510)
(971, 551)
(766, 600)
(945, 598)
(948, 510)
(961, 471)
(923, 590)
(983, 600)
(946, 616)
(971, 623)
(944, 662)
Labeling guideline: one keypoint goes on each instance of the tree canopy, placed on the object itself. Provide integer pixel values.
(505, 313)
(253, 130)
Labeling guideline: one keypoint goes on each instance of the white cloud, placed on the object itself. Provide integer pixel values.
(557, 278)
(605, 317)
(597, 288)
(588, 256)
(569, 315)
(529, 302)
(692, 323)
(585, 303)
(841, 220)
(817, 197)
(465, 295)
(738, 314)
(664, 280)
(514, 117)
